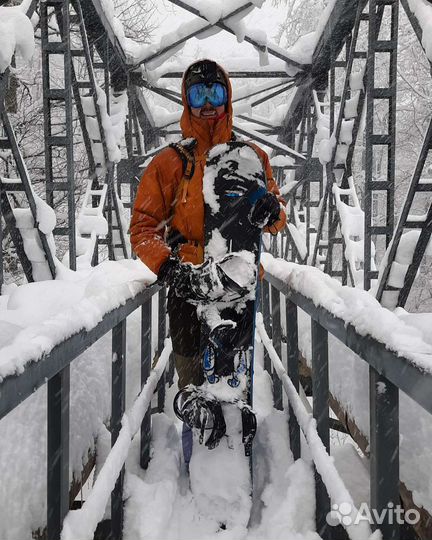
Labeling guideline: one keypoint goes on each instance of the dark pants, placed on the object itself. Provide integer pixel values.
(185, 336)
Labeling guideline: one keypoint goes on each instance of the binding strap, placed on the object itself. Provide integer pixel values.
(185, 151)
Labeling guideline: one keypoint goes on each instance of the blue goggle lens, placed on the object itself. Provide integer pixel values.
(199, 94)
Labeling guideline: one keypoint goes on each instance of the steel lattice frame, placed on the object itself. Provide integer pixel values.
(336, 49)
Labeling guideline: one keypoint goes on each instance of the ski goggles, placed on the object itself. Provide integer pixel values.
(215, 93)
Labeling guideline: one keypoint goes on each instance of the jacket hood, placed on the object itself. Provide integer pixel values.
(208, 133)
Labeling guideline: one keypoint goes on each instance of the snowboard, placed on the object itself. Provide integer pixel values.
(234, 179)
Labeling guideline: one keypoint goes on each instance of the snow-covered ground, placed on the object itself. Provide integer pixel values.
(161, 505)
(159, 501)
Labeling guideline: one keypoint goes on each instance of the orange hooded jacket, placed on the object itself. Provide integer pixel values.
(159, 205)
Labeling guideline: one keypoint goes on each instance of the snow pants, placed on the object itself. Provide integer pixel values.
(185, 330)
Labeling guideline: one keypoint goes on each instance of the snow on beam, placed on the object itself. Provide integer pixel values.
(339, 24)
(16, 36)
(192, 29)
(163, 92)
(358, 321)
(419, 14)
(110, 50)
(260, 138)
(42, 350)
(274, 50)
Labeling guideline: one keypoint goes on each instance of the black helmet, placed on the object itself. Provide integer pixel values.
(204, 71)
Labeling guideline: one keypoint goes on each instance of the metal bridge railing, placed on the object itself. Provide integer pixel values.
(388, 373)
(54, 370)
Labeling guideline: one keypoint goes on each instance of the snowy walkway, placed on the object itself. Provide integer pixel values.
(161, 506)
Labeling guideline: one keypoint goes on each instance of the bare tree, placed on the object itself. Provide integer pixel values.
(137, 18)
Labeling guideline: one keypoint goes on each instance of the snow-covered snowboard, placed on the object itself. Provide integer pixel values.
(234, 180)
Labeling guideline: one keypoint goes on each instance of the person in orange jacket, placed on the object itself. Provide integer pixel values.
(167, 225)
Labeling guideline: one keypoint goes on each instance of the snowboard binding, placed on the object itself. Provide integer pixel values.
(211, 282)
(220, 355)
(202, 412)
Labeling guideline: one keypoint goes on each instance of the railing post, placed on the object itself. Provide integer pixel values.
(146, 359)
(320, 392)
(277, 344)
(161, 339)
(265, 310)
(293, 372)
(384, 450)
(118, 389)
(58, 452)
(171, 370)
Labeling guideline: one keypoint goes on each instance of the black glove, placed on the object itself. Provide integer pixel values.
(177, 275)
(265, 211)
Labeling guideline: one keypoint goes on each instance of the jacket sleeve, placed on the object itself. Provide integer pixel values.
(152, 212)
(272, 186)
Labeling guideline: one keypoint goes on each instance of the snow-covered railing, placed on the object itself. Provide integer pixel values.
(82, 523)
(398, 360)
(44, 356)
(324, 464)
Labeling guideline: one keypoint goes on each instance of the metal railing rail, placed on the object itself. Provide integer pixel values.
(325, 467)
(53, 369)
(388, 373)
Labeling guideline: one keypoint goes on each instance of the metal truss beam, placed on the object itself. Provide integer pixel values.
(205, 28)
(168, 94)
(338, 26)
(386, 182)
(280, 148)
(257, 121)
(339, 177)
(274, 51)
(101, 35)
(58, 134)
(390, 295)
(257, 91)
(145, 119)
(406, 220)
(24, 187)
(272, 95)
